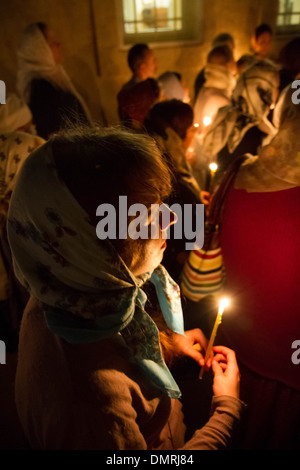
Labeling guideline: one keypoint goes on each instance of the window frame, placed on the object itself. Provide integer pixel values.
(287, 29)
(189, 36)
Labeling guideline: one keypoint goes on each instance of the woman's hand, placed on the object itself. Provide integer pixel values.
(226, 373)
(185, 345)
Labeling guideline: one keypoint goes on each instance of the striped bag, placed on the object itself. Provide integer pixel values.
(203, 273)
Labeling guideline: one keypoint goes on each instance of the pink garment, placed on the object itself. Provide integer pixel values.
(260, 243)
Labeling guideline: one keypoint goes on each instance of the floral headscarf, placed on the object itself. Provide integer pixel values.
(15, 147)
(86, 290)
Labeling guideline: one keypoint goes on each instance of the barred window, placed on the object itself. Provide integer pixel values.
(288, 18)
(161, 20)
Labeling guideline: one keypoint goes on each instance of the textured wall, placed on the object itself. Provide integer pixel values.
(71, 20)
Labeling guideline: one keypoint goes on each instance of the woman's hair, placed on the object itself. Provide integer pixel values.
(99, 165)
(169, 113)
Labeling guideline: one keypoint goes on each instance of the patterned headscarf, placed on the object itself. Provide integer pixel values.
(15, 147)
(86, 290)
(14, 115)
(251, 102)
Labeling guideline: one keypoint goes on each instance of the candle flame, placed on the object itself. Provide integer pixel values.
(206, 120)
(223, 304)
(213, 167)
(196, 124)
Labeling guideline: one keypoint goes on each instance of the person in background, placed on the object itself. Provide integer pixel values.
(215, 94)
(220, 40)
(244, 62)
(243, 126)
(171, 87)
(217, 90)
(142, 63)
(261, 41)
(17, 141)
(260, 247)
(134, 102)
(43, 83)
(93, 351)
(140, 93)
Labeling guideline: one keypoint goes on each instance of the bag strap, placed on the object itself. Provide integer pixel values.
(218, 201)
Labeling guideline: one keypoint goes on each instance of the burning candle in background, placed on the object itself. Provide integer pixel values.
(222, 305)
(206, 121)
(213, 168)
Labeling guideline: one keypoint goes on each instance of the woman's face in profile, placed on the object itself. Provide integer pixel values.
(152, 251)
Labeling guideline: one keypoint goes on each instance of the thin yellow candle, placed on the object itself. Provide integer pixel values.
(222, 305)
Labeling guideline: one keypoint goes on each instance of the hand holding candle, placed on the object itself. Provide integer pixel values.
(222, 305)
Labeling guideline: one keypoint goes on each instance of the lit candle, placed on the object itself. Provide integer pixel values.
(222, 305)
(196, 124)
(213, 168)
(206, 121)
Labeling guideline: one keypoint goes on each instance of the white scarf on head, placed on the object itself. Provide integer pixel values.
(36, 61)
(251, 102)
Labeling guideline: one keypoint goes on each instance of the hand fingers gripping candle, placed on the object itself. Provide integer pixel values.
(222, 305)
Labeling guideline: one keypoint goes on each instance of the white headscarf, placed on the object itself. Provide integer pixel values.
(252, 99)
(172, 87)
(36, 61)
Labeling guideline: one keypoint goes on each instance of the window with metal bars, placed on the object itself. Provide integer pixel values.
(288, 18)
(161, 20)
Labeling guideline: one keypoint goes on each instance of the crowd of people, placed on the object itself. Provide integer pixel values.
(100, 326)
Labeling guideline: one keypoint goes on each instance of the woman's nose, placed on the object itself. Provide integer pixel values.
(166, 217)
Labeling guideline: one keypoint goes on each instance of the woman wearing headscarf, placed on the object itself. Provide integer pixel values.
(260, 246)
(90, 353)
(243, 126)
(44, 84)
(16, 144)
(171, 87)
